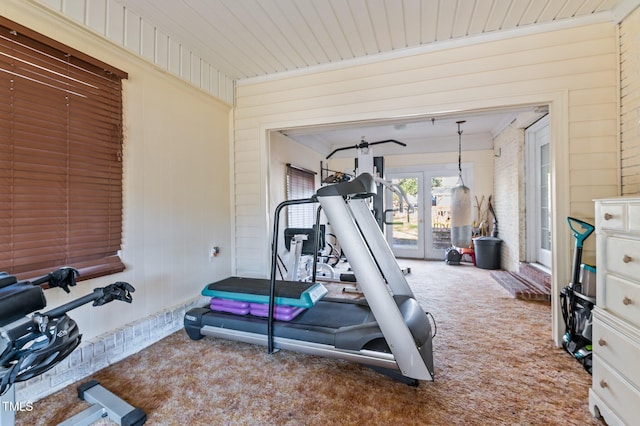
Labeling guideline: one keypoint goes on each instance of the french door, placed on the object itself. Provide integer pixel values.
(539, 193)
(418, 222)
(404, 214)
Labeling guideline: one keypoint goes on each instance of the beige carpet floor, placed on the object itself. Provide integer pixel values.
(494, 358)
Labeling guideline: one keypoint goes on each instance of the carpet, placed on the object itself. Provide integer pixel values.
(495, 363)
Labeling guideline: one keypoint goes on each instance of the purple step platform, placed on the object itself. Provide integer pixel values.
(237, 307)
(232, 306)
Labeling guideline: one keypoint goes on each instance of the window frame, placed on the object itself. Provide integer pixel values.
(88, 96)
(300, 184)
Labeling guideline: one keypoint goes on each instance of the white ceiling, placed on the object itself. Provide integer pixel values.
(251, 38)
(256, 39)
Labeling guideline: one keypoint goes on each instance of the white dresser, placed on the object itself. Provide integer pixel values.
(615, 392)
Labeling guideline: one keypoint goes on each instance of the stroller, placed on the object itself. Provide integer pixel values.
(575, 304)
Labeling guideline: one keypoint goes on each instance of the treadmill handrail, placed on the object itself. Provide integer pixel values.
(274, 260)
(363, 186)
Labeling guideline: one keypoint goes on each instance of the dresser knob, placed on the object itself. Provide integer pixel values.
(602, 342)
(627, 301)
(627, 258)
(608, 216)
(603, 384)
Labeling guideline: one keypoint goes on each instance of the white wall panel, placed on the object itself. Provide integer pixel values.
(115, 22)
(132, 25)
(196, 70)
(185, 64)
(161, 49)
(147, 41)
(174, 55)
(96, 16)
(74, 9)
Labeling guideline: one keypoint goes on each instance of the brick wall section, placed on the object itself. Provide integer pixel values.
(630, 103)
(98, 353)
(508, 195)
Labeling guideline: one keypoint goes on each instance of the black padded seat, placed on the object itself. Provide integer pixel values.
(18, 300)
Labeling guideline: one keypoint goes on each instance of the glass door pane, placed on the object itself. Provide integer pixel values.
(404, 215)
(439, 237)
(544, 215)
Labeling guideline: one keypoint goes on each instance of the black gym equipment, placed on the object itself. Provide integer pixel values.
(364, 145)
(389, 331)
(32, 343)
(365, 162)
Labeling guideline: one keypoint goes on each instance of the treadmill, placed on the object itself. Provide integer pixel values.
(388, 330)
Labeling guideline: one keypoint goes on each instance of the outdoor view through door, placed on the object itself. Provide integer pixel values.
(405, 229)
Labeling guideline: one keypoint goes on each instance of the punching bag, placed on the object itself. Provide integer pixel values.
(460, 206)
(461, 215)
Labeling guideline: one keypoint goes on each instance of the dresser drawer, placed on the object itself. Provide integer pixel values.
(622, 298)
(634, 217)
(623, 257)
(611, 216)
(620, 396)
(618, 350)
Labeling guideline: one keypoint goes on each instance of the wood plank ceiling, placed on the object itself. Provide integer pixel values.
(252, 38)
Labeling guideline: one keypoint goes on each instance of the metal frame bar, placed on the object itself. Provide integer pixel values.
(367, 357)
(351, 230)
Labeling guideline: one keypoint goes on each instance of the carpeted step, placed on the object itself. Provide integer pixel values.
(520, 287)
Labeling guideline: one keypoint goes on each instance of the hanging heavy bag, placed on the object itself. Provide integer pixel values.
(461, 224)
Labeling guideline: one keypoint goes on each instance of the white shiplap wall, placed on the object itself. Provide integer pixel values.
(630, 103)
(123, 27)
(176, 198)
(574, 70)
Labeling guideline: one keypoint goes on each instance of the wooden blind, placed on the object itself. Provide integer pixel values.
(300, 184)
(60, 158)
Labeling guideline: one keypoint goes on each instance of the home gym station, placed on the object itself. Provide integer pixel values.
(388, 330)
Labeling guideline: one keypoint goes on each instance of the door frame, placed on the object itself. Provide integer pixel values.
(428, 172)
(533, 194)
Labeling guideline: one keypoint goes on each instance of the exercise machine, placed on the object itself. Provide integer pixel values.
(388, 330)
(366, 162)
(32, 343)
(302, 252)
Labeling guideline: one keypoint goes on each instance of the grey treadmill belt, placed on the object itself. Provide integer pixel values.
(318, 324)
(334, 315)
